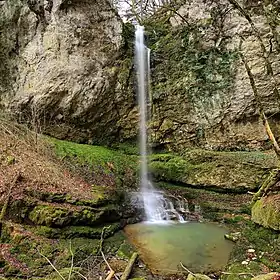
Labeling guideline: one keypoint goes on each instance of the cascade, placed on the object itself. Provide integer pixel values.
(158, 208)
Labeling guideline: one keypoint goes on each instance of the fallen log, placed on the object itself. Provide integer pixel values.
(129, 267)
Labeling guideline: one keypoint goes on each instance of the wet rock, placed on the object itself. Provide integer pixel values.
(266, 212)
(268, 276)
(233, 236)
(198, 277)
(218, 171)
(251, 250)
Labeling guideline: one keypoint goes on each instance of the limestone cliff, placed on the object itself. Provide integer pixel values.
(59, 66)
(200, 88)
(202, 94)
(69, 64)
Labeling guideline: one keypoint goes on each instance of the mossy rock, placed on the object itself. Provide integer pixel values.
(52, 216)
(268, 276)
(266, 212)
(100, 193)
(198, 277)
(247, 271)
(77, 231)
(26, 249)
(218, 171)
(125, 251)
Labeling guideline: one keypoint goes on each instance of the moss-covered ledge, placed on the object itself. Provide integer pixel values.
(218, 171)
(266, 212)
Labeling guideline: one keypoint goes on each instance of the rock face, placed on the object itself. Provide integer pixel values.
(234, 172)
(201, 92)
(266, 212)
(61, 66)
(268, 276)
(64, 68)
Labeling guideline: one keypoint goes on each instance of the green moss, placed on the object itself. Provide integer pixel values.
(92, 155)
(50, 216)
(266, 243)
(169, 167)
(266, 212)
(81, 247)
(219, 171)
(10, 160)
(127, 148)
(184, 65)
(125, 251)
(234, 219)
(252, 268)
(64, 272)
(76, 231)
(101, 197)
(113, 165)
(26, 250)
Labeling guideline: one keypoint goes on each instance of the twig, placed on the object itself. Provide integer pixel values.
(186, 269)
(52, 265)
(252, 193)
(72, 261)
(80, 274)
(112, 272)
(129, 266)
(105, 260)
(110, 276)
(241, 273)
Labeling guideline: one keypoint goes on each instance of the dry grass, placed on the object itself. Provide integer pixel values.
(28, 154)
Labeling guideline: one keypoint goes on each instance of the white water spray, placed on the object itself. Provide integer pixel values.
(158, 208)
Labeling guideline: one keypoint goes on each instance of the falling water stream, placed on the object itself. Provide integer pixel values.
(162, 245)
(158, 208)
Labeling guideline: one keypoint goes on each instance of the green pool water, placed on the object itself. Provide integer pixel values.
(201, 247)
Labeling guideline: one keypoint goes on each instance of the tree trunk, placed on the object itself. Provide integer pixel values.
(259, 104)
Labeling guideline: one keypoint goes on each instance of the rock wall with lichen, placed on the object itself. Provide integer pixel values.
(200, 91)
(266, 212)
(60, 64)
(68, 70)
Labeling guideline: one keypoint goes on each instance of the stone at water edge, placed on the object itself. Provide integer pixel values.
(266, 212)
(268, 276)
(233, 236)
(198, 277)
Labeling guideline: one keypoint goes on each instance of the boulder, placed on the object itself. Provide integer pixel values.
(268, 276)
(266, 212)
(198, 277)
(61, 67)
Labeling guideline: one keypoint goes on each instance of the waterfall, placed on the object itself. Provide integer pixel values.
(157, 207)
